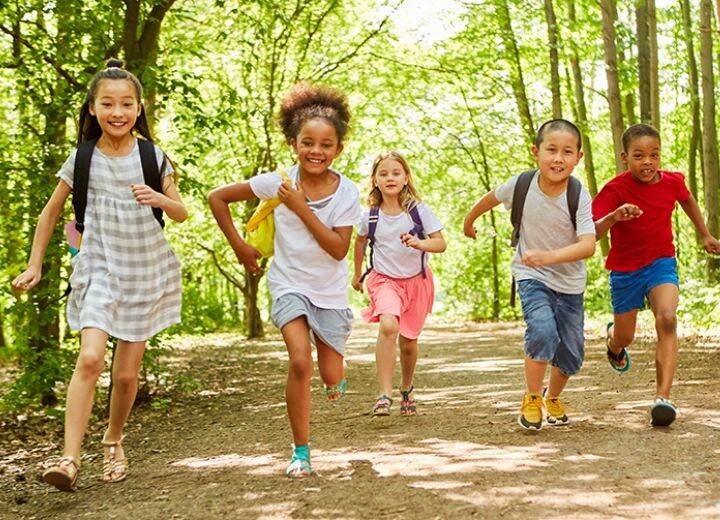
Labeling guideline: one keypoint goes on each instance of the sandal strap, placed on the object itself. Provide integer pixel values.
(617, 357)
(68, 459)
(406, 393)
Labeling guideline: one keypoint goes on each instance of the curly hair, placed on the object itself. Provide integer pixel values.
(305, 101)
(408, 196)
(635, 132)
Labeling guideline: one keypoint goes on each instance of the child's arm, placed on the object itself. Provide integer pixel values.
(169, 200)
(485, 204)
(434, 243)
(622, 213)
(359, 255)
(43, 232)
(219, 200)
(335, 241)
(583, 248)
(692, 210)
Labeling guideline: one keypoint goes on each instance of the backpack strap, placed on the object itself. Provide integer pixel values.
(152, 175)
(518, 203)
(419, 232)
(81, 174)
(573, 198)
(372, 226)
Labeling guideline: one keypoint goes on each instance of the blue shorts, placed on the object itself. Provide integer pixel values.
(555, 323)
(629, 290)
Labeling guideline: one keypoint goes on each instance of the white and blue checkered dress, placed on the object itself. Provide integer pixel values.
(126, 278)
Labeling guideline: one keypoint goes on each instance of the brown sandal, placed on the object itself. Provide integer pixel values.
(63, 475)
(114, 469)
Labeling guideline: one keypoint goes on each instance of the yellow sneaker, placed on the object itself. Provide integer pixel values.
(555, 411)
(531, 414)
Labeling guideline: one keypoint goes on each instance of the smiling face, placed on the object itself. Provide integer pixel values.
(643, 158)
(116, 107)
(557, 155)
(390, 177)
(316, 146)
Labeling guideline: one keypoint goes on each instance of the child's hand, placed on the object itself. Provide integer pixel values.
(711, 244)
(626, 212)
(293, 197)
(146, 196)
(27, 280)
(356, 283)
(411, 240)
(469, 230)
(537, 258)
(248, 256)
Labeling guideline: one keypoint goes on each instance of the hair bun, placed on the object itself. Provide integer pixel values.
(114, 62)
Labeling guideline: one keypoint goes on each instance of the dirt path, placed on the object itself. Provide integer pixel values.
(220, 447)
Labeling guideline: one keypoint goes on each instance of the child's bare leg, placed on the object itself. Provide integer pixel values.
(534, 374)
(664, 302)
(330, 364)
(297, 390)
(128, 358)
(81, 390)
(622, 332)
(408, 360)
(385, 352)
(557, 382)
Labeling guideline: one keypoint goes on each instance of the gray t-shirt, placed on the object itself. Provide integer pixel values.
(546, 225)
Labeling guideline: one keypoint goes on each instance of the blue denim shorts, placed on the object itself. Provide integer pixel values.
(555, 324)
(629, 290)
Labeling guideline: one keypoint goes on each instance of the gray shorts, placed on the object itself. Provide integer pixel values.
(332, 326)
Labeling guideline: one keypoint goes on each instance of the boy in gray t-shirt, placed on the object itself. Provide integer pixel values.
(549, 268)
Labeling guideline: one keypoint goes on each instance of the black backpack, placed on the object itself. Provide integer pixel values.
(81, 174)
(417, 230)
(518, 204)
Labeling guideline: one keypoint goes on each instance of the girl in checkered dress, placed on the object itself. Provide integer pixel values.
(126, 278)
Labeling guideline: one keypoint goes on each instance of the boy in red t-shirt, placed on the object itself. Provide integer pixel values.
(637, 206)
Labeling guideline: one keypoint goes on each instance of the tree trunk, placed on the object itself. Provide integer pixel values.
(695, 144)
(554, 59)
(710, 149)
(643, 60)
(654, 75)
(512, 55)
(607, 8)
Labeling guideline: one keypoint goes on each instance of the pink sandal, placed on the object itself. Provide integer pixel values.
(114, 469)
(63, 475)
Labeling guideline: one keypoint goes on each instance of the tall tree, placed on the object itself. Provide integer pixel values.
(512, 56)
(553, 43)
(710, 147)
(607, 9)
(695, 143)
(643, 59)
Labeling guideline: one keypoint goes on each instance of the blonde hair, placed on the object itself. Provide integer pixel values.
(408, 196)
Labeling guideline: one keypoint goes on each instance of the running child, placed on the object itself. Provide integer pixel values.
(637, 207)
(400, 230)
(308, 274)
(549, 269)
(125, 279)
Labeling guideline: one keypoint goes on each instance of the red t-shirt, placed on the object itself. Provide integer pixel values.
(637, 243)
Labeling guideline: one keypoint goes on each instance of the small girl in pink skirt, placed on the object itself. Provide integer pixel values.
(401, 231)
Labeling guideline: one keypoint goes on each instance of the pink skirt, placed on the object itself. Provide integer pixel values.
(409, 299)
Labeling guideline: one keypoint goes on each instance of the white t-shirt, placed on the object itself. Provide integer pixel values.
(546, 225)
(300, 265)
(390, 256)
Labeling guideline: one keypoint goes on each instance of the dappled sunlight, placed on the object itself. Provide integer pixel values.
(557, 498)
(426, 458)
(486, 365)
(439, 484)
(709, 418)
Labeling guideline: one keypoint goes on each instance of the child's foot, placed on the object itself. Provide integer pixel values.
(63, 475)
(299, 466)
(382, 406)
(115, 465)
(555, 409)
(335, 392)
(663, 412)
(531, 414)
(619, 362)
(407, 405)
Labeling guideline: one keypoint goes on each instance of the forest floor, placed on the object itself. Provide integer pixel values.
(218, 448)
